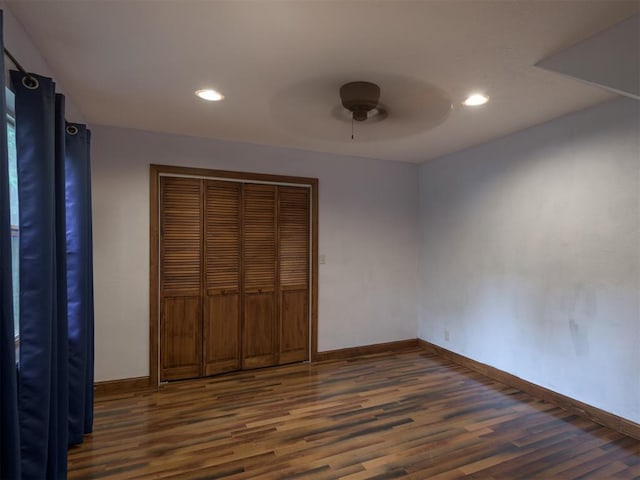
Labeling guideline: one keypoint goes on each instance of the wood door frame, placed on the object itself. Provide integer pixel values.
(156, 171)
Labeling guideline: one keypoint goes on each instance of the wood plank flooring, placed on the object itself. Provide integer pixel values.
(409, 415)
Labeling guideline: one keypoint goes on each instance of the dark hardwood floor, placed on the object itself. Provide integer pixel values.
(407, 415)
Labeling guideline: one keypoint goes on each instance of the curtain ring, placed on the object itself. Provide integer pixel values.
(30, 82)
(72, 129)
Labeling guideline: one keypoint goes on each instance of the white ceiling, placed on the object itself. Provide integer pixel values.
(609, 59)
(280, 64)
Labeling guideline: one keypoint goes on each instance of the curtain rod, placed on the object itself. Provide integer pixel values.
(32, 79)
(17, 64)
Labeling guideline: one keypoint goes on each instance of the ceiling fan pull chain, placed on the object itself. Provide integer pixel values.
(351, 128)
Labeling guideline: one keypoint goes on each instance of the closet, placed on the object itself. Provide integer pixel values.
(234, 276)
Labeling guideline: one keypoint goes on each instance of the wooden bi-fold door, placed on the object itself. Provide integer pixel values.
(222, 276)
(181, 278)
(293, 255)
(234, 276)
(259, 328)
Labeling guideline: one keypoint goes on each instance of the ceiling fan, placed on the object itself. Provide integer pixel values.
(362, 99)
(381, 106)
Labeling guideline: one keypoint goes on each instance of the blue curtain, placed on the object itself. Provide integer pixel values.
(9, 431)
(55, 382)
(80, 280)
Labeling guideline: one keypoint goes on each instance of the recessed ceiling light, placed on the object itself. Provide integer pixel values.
(475, 100)
(210, 95)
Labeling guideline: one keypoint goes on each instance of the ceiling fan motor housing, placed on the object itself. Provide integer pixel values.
(360, 98)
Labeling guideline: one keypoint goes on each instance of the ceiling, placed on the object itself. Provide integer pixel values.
(280, 64)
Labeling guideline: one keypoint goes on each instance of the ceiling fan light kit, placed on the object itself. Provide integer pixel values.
(360, 98)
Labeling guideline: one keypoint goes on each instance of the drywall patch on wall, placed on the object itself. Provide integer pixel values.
(530, 255)
(368, 233)
(579, 338)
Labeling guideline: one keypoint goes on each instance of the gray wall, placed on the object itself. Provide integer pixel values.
(368, 232)
(530, 255)
(19, 44)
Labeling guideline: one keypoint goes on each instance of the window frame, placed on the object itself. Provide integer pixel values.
(15, 229)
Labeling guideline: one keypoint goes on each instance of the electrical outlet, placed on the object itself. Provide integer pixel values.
(446, 334)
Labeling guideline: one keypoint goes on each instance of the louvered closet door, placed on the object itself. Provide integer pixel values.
(293, 252)
(180, 278)
(259, 329)
(222, 277)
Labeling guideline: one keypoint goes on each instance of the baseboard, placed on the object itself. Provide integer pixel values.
(352, 352)
(595, 414)
(127, 385)
(124, 385)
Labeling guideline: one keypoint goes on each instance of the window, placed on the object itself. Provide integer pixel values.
(14, 207)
